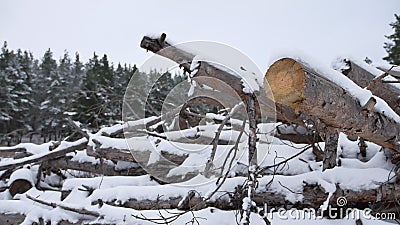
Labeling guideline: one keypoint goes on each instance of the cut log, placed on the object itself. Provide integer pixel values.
(8, 152)
(101, 168)
(395, 71)
(130, 155)
(207, 71)
(7, 218)
(314, 197)
(159, 170)
(19, 186)
(366, 79)
(307, 92)
(296, 134)
(11, 219)
(58, 152)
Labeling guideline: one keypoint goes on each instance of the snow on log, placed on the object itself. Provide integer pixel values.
(393, 71)
(309, 196)
(21, 181)
(135, 149)
(60, 151)
(335, 100)
(271, 109)
(368, 77)
(99, 168)
(207, 71)
(7, 152)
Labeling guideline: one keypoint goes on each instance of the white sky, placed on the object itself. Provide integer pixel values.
(319, 28)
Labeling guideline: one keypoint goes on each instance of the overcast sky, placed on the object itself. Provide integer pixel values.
(321, 29)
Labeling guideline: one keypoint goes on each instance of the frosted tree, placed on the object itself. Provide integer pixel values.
(393, 46)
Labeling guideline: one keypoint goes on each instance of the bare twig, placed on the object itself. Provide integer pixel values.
(284, 161)
(209, 164)
(82, 211)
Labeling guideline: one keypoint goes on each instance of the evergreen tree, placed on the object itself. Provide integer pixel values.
(75, 83)
(393, 47)
(105, 92)
(26, 101)
(16, 91)
(6, 114)
(48, 91)
(62, 91)
(38, 95)
(88, 104)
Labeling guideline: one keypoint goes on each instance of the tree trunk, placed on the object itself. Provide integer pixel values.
(305, 91)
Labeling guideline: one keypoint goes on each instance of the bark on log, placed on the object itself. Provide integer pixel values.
(101, 168)
(364, 79)
(394, 72)
(9, 152)
(159, 170)
(11, 219)
(271, 109)
(207, 71)
(297, 134)
(314, 197)
(16, 218)
(295, 85)
(131, 155)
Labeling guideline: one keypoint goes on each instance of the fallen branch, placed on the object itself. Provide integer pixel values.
(209, 164)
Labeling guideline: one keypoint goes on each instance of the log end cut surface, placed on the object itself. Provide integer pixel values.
(286, 78)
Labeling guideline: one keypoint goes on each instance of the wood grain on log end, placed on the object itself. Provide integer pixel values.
(287, 81)
(19, 186)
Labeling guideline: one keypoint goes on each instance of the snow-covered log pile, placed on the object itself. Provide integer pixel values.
(137, 173)
(95, 179)
(67, 182)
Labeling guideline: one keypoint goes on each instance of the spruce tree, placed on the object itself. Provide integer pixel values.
(46, 91)
(27, 70)
(393, 47)
(6, 114)
(75, 83)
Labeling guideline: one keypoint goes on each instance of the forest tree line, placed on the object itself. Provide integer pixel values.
(37, 95)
